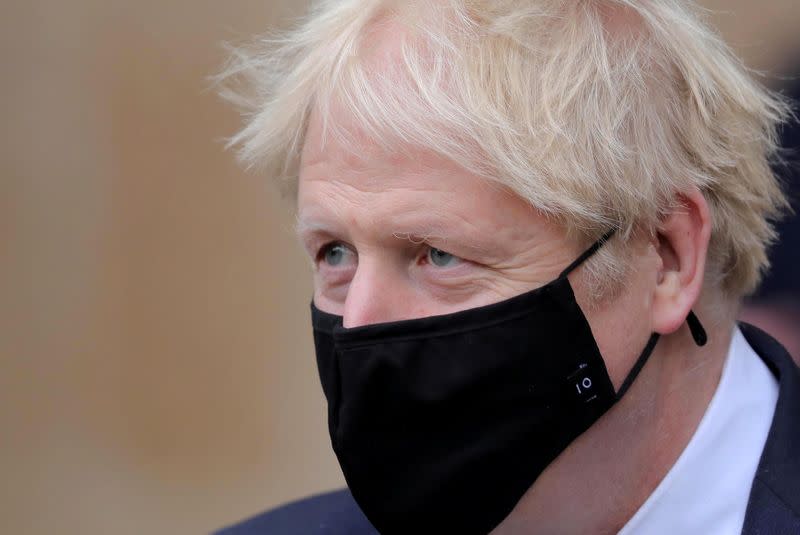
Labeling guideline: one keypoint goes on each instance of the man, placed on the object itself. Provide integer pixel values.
(532, 223)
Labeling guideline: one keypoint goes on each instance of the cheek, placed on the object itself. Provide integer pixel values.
(327, 301)
(621, 327)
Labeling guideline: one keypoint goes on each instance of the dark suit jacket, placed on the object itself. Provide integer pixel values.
(773, 509)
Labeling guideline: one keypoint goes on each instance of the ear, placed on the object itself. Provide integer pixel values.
(682, 245)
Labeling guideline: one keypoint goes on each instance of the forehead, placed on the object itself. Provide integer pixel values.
(358, 190)
(355, 160)
(349, 155)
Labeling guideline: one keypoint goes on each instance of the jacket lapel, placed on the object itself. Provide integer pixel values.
(774, 505)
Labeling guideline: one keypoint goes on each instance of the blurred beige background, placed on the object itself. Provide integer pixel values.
(156, 367)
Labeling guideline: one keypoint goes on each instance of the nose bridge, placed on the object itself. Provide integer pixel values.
(375, 294)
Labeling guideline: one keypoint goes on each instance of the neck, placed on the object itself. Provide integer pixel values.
(602, 478)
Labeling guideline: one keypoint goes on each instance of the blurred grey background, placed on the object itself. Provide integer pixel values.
(156, 365)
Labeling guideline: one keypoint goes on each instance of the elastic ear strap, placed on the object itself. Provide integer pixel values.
(640, 362)
(586, 254)
(698, 333)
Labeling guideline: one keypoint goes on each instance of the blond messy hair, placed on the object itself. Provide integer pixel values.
(598, 112)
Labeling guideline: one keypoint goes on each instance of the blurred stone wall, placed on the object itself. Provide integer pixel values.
(156, 366)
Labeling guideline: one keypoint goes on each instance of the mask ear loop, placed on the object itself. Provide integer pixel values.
(698, 332)
(640, 362)
(587, 253)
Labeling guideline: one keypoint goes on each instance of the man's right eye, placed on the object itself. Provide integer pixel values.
(335, 254)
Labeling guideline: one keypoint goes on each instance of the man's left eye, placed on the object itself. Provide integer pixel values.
(440, 258)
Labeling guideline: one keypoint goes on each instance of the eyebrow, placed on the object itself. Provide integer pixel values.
(308, 233)
(437, 238)
(433, 230)
(303, 226)
(420, 234)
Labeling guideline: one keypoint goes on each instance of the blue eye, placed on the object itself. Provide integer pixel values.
(441, 258)
(335, 254)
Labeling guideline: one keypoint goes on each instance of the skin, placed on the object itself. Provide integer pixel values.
(408, 234)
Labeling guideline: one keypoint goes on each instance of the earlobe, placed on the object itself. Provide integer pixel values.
(683, 237)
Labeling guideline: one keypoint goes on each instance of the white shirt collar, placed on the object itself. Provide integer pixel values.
(707, 489)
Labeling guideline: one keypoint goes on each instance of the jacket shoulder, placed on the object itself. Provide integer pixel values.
(333, 513)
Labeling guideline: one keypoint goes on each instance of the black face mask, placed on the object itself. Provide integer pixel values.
(441, 424)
